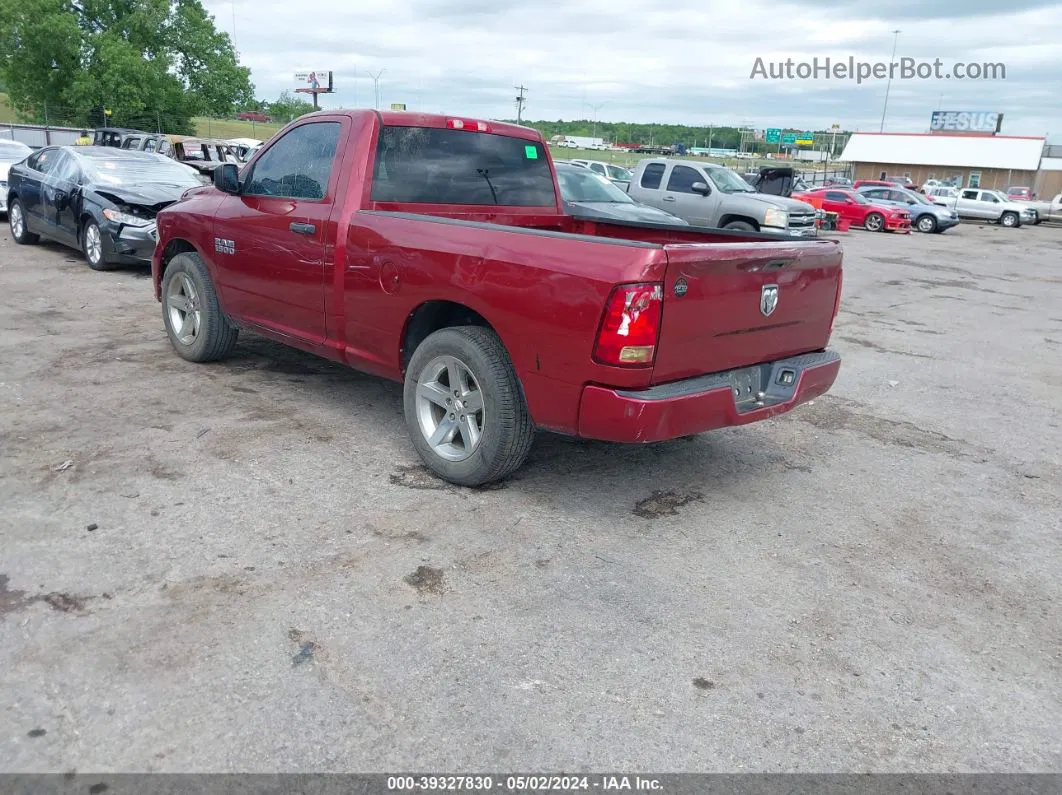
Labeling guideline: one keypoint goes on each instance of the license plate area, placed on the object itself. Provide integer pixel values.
(747, 387)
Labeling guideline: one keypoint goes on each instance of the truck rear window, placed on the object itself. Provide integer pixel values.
(423, 165)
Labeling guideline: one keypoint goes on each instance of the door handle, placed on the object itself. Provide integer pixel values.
(669, 198)
(303, 229)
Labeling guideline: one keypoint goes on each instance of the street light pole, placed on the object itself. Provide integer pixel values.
(595, 109)
(895, 39)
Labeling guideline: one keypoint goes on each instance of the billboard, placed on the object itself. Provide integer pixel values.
(398, 106)
(965, 121)
(312, 79)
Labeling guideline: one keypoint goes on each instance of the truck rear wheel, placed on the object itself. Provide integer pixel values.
(464, 407)
(197, 328)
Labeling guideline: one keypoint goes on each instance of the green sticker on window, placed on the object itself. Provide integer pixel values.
(531, 152)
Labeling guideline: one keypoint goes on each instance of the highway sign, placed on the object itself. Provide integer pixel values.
(774, 135)
(789, 139)
(805, 139)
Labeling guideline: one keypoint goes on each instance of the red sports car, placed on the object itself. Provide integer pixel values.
(859, 210)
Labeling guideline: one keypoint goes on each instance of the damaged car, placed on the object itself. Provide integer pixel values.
(99, 200)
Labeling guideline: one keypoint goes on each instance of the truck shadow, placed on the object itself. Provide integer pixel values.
(563, 472)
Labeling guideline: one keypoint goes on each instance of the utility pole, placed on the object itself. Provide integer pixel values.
(376, 86)
(895, 39)
(711, 131)
(520, 102)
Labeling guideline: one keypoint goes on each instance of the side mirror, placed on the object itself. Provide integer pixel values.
(227, 178)
(701, 188)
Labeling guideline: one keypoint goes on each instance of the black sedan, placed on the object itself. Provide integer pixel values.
(99, 200)
(589, 195)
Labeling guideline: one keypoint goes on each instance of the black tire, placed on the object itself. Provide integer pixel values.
(740, 226)
(215, 336)
(507, 431)
(1010, 219)
(16, 211)
(929, 227)
(874, 222)
(95, 257)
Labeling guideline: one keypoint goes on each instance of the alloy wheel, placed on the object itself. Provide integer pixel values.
(450, 410)
(182, 304)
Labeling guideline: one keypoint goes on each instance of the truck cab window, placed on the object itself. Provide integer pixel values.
(651, 177)
(299, 165)
(427, 165)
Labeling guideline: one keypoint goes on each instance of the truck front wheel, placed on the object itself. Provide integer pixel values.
(195, 324)
(464, 408)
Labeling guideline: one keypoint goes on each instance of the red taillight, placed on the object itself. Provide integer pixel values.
(468, 124)
(631, 326)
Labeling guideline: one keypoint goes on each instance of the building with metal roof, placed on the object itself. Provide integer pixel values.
(970, 160)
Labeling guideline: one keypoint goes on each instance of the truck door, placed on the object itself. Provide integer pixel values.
(679, 198)
(274, 242)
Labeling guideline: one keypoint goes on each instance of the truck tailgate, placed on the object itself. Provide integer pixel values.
(728, 305)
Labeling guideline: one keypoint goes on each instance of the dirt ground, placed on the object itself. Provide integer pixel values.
(242, 566)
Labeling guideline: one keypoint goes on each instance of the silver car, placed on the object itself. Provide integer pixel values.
(925, 215)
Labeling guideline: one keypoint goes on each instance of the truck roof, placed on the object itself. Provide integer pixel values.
(400, 118)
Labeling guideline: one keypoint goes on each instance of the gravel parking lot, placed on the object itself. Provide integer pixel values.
(243, 567)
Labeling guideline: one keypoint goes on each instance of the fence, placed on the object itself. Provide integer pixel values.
(38, 135)
(816, 177)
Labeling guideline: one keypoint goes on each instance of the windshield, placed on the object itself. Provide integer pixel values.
(918, 197)
(728, 181)
(580, 185)
(131, 171)
(622, 174)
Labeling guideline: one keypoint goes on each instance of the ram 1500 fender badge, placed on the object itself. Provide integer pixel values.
(223, 246)
(768, 299)
(681, 287)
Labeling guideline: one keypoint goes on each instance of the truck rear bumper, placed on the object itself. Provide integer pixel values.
(694, 405)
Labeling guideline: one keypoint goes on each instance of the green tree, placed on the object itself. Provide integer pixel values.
(153, 63)
(288, 106)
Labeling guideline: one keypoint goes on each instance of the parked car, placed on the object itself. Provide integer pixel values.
(779, 181)
(11, 152)
(253, 115)
(244, 147)
(941, 194)
(202, 154)
(925, 215)
(587, 194)
(903, 182)
(858, 210)
(114, 136)
(991, 205)
(1047, 211)
(436, 251)
(617, 174)
(1020, 194)
(99, 200)
(838, 182)
(705, 194)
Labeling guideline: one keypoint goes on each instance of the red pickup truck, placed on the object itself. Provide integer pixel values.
(436, 251)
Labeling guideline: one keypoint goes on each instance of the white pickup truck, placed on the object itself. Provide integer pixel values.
(1047, 211)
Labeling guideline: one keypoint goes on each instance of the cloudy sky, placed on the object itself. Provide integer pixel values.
(668, 61)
